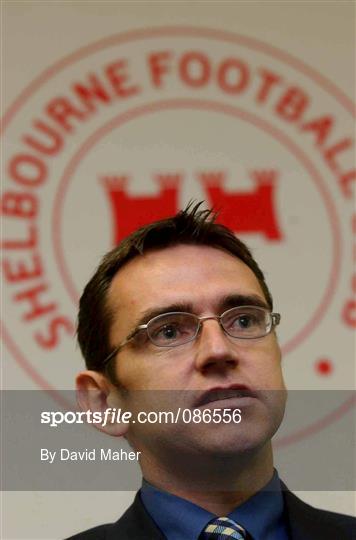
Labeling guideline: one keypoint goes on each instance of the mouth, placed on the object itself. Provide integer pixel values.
(222, 394)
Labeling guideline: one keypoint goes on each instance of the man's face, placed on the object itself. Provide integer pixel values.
(204, 281)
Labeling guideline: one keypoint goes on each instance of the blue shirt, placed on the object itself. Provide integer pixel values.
(262, 515)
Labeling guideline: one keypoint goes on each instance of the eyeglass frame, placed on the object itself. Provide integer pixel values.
(274, 317)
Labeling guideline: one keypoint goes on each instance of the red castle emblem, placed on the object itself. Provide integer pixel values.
(243, 211)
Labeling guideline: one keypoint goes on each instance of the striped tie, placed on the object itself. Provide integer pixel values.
(223, 528)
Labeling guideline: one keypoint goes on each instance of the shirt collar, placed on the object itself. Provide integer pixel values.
(267, 504)
(178, 518)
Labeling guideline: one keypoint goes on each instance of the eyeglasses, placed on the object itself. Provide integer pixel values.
(177, 328)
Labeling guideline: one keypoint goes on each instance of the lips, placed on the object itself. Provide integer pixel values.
(220, 393)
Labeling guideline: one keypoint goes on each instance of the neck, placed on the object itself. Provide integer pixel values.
(230, 483)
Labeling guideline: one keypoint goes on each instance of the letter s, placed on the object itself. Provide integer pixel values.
(52, 339)
(45, 417)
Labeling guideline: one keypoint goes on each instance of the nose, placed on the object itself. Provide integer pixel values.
(214, 350)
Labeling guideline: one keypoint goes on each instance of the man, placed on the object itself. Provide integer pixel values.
(181, 305)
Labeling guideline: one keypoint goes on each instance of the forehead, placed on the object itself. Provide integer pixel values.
(200, 275)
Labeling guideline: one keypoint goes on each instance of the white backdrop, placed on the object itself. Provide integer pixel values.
(180, 127)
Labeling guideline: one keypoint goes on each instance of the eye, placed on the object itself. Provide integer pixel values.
(244, 321)
(171, 329)
(168, 332)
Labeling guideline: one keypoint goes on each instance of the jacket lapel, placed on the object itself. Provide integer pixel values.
(135, 524)
(308, 523)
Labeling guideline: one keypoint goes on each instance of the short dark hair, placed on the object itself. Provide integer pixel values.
(192, 226)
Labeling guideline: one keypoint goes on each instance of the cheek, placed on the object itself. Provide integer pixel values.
(267, 367)
(129, 371)
(145, 372)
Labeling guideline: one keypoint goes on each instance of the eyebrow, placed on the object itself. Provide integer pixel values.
(225, 303)
(149, 314)
(234, 300)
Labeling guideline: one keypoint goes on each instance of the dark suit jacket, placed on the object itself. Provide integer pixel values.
(305, 523)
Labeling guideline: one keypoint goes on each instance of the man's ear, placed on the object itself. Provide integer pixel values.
(95, 393)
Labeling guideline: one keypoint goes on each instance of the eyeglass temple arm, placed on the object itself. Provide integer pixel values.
(112, 354)
(116, 349)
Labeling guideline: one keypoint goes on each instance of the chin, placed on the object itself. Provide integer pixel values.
(225, 446)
